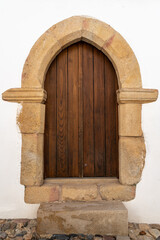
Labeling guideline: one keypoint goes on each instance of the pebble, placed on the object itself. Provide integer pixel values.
(145, 238)
(157, 226)
(3, 235)
(142, 233)
(6, 226)
(144, 226)
(154, 232)
(21, 234)
(122, 238)
(109, 238)
(24, 229)
(2, 221)
(133, 233)
(13, 225)
(60, 237)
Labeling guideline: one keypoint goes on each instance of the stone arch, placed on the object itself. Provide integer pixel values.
(74, 29)
(32, 96)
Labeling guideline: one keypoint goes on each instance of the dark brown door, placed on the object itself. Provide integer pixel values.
(81, 133)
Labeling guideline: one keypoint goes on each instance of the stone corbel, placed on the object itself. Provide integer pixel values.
(139, 95)
(34, 95)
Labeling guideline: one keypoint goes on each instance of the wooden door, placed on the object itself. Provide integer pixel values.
(81, 133)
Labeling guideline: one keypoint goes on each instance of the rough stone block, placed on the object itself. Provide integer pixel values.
(95, 33)
(131, 159)
(130, 120)
(122, 238)
(117, 191)
(31, 118)
(32, 159)
(79, 192)
(109, 218)
(43, 194)
(68, 31)
(124, 61)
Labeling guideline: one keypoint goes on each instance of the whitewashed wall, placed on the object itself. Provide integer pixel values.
(21, 24)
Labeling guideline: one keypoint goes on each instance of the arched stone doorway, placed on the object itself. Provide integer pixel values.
(31, 120)
(81, 121)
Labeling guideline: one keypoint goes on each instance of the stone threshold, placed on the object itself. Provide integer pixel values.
(79, 189)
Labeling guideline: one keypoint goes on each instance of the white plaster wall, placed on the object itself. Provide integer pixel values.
(21, 24)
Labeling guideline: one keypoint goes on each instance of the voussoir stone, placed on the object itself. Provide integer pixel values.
(131, 159)
(88, 29)
(79, 192)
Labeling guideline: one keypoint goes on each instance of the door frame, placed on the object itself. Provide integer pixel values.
(30, 120)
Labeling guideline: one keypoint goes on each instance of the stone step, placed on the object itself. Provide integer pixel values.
(104, 218)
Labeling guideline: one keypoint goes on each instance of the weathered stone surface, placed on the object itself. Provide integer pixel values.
(144, 226)
(131, 159)
(109, 218)
(154, 232)
(124, 61)
(31, 118)
(91, 30)
(42, 194)
(95, 33)
(3, 235)
(38, 60)
(122, 238)
(129, 120)
(79, 192)
(34, 95)
(136, 95)
(67, 31)
(157, 226)
(6, 226)
(117, 191)
(32, 159)
(133, 233)
(144, 238)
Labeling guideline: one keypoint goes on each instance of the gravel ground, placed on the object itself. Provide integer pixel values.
(24, 229)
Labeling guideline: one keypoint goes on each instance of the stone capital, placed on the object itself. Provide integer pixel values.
(36, 95)
(136, 95)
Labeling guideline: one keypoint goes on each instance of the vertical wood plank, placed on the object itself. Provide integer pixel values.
(99, 118)
(62, 163)
(50, 123)
(88, 147)
(46, 133)
(111, 120)
(73, 72)
(80, 112)
(81, 125)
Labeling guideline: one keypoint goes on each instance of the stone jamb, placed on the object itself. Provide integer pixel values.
(32, 96)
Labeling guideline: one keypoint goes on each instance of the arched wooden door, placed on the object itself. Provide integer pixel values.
(81, 133)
